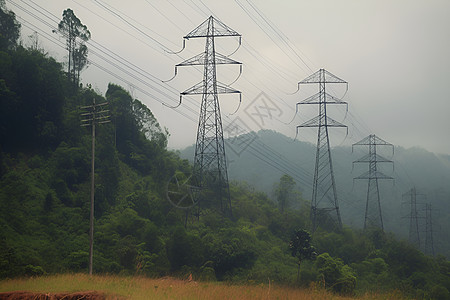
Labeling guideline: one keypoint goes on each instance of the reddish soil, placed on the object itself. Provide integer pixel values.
(49, 296)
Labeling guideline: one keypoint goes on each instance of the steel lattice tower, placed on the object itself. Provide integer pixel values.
(414, 237)
(429, 244)
(210, 166)
(373, 216)
(324, 196)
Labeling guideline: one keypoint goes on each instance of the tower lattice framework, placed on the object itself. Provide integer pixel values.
(324, 197)
(429, 244)
(373, 215)
(210, 165)
(414, 236)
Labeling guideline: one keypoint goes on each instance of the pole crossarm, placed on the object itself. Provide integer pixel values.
(96, 112)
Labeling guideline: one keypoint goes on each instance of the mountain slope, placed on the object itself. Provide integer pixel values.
(255, 162)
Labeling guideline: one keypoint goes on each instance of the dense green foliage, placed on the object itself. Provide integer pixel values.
(44, 202)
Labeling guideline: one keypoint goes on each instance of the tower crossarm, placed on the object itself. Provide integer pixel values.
(316, 122)
(201, 59)
(371, 158)
(373, 140)
(373, 175)
(219, 30)
(198, 89)
(316, 99)
(322, 76)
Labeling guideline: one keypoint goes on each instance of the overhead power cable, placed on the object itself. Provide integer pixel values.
(259, 150)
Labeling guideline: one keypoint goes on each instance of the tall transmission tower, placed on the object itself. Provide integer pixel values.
(324, 196)
(92, 115)
(414, 237)
(429, 244)
(210, 166)
(373, 216)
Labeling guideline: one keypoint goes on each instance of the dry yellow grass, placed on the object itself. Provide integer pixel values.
(167, 288)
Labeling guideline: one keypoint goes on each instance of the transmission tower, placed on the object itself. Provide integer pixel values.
(92, 115)
(429, 244)
(373, 216)
(324, 197)
(210, 167)
(414, 237)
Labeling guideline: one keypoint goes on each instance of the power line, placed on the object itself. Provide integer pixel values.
(268, 35)
(112, 11)
(280, 34)
(122, 61)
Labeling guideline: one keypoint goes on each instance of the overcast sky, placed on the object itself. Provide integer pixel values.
(395, 55)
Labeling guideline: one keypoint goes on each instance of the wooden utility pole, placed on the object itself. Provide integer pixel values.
(95, 113)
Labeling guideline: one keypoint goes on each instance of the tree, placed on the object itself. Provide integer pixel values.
(300, 246)
(283, 191)
(148, 124)
(35, 43)
(79, 60)
(9, 28)
(76, 34)
(336, 275)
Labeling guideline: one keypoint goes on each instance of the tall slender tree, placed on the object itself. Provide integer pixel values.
(80, 60)
(300, 246)
(76, 35)
(9, 28)
(284, 191)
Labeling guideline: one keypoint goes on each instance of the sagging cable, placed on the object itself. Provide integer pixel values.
(240, 73)
(169, 106)
(298, 88)
(239, 105)
(240, 42)
(174, 75)
(172, 52)
(296, 111)
(296, 132)
(345, 138)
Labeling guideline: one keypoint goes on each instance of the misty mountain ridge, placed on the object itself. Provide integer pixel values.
(412, 166)
(251, 158)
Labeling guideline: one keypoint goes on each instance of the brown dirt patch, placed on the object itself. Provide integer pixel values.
(91, 295)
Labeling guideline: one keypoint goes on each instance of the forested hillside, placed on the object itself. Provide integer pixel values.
(45, 198)
(429, 173)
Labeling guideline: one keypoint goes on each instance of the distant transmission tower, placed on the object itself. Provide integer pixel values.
(92, 115)
(324, 197)
(373, 216)
(429, 244)
(210, 167)
(414, 237)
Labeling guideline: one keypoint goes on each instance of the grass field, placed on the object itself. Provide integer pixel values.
(116, 287)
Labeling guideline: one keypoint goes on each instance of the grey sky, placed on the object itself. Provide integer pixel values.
(394, 54)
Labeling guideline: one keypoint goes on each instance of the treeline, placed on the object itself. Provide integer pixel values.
(45, 188)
